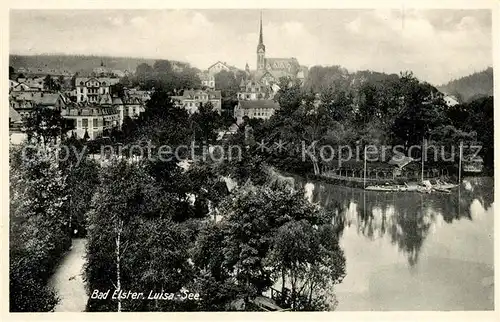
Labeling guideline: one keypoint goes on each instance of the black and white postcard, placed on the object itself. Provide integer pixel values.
(267, 158)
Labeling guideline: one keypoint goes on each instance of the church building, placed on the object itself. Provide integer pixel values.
(270, 70)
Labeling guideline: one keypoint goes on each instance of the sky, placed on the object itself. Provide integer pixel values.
(436, 45)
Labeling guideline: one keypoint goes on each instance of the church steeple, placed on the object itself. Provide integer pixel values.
(261, 40)
(261, 49)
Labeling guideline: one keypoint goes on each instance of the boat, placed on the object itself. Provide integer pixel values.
(391, 188)
(444, 185)
(442, 190)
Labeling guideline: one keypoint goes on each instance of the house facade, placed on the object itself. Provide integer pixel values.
(251, 89)
(16, 134)
(35, 82)
(261, 109)
(91, 119)
(207, 80)
(450, 100)
(220, 66)
(24, 102)
(191, 100)
(88, 89)
(128, 107)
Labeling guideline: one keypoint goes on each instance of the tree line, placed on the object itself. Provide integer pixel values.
(165, 75)
(392, 111)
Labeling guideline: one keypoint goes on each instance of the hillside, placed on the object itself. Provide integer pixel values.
(74, 63)
(470, 87)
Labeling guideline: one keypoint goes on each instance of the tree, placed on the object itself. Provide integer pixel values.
(73, 80)
(12, 72)
(320, 78)
(117, 90)
(206, 123)
(38, 226)
(50, 84)
(143, 71)
(82, 178)
(131, 236)
(60, 82)
(46, 124)
(229, 82)
(311, 261)
(289, 96)
(256, 219)
(213, 279)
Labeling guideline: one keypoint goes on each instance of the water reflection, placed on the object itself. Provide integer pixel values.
(411, 251)
(407, 218)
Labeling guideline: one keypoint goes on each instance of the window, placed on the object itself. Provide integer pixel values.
(85, 123)
(94, 121)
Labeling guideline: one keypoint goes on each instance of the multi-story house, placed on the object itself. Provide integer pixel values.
(88, 89)
(220, 66)
(16, 135)
(128, 107)
(19, 87)
(144, 96)
(253, 90)
(207, 80)
(91, 119)
(24, 102)
(35, 82)
(192, 99)
(261, 109)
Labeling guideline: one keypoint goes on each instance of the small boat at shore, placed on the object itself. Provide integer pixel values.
(388, 188)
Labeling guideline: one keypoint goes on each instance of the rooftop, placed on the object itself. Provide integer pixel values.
(266, 104)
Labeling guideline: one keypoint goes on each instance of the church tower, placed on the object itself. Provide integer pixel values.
(261, 50)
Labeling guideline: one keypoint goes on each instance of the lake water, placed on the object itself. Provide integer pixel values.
(412, 251)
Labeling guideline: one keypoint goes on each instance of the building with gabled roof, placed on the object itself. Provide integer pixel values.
(92, 119)
(220, 66)
(91, 88)
(16, 134)
(25, 101)
(261, 109)
(191, 99)
(251, 89)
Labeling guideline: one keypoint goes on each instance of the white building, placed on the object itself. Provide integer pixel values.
(207, 80)
(88, 89)
(451, 100)
(192, 99)
(261, 109)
